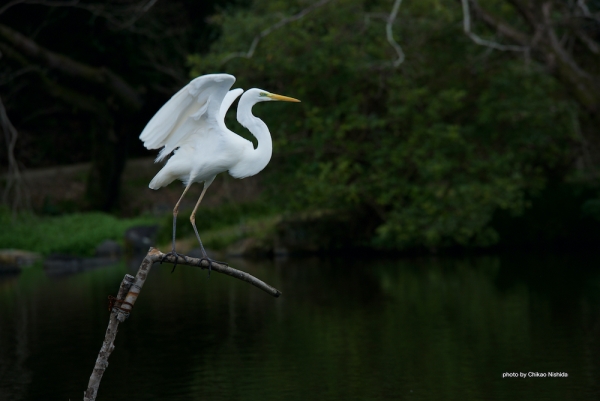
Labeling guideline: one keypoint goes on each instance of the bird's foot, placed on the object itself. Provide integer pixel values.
(210, 262)
(177, 256)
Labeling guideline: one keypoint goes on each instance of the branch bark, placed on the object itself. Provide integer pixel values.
(129, 292)
(116, 316)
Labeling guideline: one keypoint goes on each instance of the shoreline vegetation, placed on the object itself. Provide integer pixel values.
(565, 215)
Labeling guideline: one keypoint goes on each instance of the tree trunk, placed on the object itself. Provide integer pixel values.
(109, 151)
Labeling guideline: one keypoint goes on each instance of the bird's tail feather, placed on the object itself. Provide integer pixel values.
(161, 179)
(162, 154)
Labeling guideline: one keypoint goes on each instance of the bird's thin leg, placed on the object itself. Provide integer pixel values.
(175, 212)
(193, 221)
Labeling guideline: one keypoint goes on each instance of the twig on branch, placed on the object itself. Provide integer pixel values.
(483, 42)
(584, 7)
(157, 256)
(129, 292)
(558, 48)
(586, 11)
(588, 41)
(267, 31)
(390, 34)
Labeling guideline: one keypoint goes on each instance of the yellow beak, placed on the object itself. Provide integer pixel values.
(282, 98)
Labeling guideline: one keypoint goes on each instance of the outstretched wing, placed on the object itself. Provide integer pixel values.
(194, 110)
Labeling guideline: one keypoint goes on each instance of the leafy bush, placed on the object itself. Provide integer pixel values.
(434, 147)
(76, 234)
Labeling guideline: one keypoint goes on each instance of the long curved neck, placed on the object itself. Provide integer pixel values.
(258, 158)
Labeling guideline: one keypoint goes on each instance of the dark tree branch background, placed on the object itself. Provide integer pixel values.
(564, 37)
(91, 75)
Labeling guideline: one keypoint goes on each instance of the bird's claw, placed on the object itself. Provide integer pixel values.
(210, 262)
(177, 256)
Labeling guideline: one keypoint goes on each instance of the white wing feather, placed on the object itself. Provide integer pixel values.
(194, 110)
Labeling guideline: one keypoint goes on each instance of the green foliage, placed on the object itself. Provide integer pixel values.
(260, 230)
(76, 234)
(435, 146)
(229, 219)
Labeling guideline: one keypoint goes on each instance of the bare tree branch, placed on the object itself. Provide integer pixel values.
(14, 188)
(122, 14)
(584, 7)
(586, 11)
(157, 256)
(558, 48)
(267, 31)
(116, 316)
(130, 290)
(547, 47)
(390, 34)
(43, 2)
(588, 41)
(389, 20)
(501, 28)
(583, 84)
(100, 76)
(71, 97)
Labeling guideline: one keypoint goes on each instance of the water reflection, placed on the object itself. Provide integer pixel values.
(424, 329)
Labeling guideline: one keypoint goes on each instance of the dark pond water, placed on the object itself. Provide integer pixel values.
(414, 329)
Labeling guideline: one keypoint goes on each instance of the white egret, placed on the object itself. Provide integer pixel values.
(191, 125)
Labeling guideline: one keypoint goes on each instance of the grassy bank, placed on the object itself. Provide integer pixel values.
(562, 216)
(74, 234)
(221, 226)
(80, 233)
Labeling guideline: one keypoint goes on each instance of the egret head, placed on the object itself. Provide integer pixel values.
(264, 96)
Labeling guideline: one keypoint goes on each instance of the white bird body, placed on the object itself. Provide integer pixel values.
(191, 125)
(201, 158)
